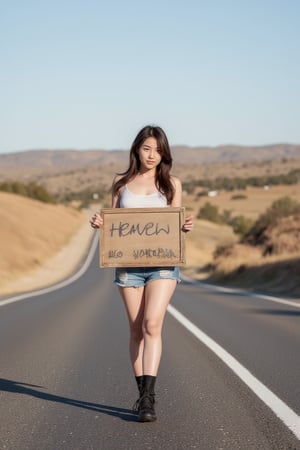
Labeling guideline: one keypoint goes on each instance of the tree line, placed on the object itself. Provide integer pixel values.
(31, 190)
(38, 192)
(233, 183)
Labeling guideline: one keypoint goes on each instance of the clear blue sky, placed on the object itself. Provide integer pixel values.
(89, 74)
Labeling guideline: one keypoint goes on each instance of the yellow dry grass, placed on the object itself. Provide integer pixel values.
(256, 202)
(31, 232)
(201, 244)
(245, 267)
(273, 265)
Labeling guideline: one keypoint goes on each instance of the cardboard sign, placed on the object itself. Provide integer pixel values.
(142, 237)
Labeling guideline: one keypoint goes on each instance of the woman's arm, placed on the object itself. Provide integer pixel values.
(177, 202)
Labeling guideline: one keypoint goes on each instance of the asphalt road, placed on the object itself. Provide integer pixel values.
(66, 381)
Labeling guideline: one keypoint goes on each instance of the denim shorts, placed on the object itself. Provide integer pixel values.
(140, 276)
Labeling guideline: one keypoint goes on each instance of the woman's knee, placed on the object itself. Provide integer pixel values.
(152, 327)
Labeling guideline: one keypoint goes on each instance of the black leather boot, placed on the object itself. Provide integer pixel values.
(146, 401)
(140, 384)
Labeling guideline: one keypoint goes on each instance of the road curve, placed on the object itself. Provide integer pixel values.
(66, 382)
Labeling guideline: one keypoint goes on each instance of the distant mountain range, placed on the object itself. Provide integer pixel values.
(54, 159)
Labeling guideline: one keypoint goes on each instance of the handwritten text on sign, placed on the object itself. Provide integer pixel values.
(142, 237)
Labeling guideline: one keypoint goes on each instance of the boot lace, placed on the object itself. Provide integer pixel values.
(135, 406)
(146, 400)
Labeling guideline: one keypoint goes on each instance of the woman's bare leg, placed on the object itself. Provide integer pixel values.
(158, 294)
(134, 302)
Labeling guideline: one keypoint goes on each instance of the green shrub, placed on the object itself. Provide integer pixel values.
(239, 197)
(85, 196)
(189, 186)
(241, 225)
(222, 250)
(209, 212)
(225, 217)
(283, 207)
(202, 194)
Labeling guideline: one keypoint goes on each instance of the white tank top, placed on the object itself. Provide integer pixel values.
(130, 200)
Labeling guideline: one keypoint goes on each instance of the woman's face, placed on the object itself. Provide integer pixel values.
(149, 154)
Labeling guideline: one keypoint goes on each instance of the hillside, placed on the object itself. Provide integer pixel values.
(53, 159)
(79, 174)
(268, 260)
(31, 233)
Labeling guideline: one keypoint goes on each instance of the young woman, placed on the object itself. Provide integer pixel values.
(146, 292)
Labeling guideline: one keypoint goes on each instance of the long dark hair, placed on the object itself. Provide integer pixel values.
(162, 177)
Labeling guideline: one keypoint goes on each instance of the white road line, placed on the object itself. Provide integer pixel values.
(275, 299)
(286, 414)
(62, 284)
(243, 292)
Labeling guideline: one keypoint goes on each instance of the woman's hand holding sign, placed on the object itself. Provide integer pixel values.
(96, 221)
(188, 224)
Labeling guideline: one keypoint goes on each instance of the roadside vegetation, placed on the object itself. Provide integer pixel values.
(258, 233)
(239, 183)
(82, 198)
(85, 197)
(268, 255)
(240, 224)
(31, 190)
(282, 208)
